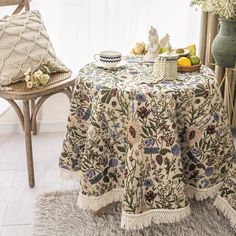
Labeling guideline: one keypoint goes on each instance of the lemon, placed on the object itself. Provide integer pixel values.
(184, 61)
(192, 49)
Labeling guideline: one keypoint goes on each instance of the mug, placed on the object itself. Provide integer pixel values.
(108, 58)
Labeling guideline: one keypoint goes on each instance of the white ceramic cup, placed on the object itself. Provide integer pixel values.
(108, 58)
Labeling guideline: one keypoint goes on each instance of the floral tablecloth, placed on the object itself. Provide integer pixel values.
(151, 145)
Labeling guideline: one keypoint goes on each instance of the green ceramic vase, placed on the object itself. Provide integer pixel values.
(224, 45)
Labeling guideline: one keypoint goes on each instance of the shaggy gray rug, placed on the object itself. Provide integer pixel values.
(57, 214)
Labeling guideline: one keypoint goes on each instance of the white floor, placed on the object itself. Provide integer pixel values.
(16, 198)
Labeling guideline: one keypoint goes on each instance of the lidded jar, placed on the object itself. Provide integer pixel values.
(165, 67)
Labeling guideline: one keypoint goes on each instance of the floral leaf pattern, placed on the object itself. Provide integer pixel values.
(151, 139)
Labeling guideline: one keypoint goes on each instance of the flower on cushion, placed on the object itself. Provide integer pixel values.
(29, 84)
(134, 132)
(44, 78)
(27, 78)
(38, 73)
(28, 72)
(38, 78)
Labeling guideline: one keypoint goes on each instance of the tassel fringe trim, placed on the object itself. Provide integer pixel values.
(221, 204)
(202, 194)
(97, 203)
(132, 221)
(70, 175)
(156, 216)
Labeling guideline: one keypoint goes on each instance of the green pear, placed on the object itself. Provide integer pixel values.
(195, 60)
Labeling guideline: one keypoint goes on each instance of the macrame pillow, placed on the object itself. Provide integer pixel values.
(24, 43)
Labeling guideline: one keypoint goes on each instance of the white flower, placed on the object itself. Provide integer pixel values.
(29, 85)
(38, 73)
(28, 72)
(27, 78)
(44, 78)
(224, 8)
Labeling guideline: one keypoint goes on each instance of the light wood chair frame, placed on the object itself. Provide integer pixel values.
(33, 100)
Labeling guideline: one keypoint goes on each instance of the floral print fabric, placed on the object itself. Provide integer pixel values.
(153, 140)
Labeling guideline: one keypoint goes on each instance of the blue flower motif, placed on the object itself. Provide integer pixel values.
(113, 135)
(113, 162)
(90, 173)
(151, 150)
(216, 117)
(209, 171)
(87, 114)
(195, 151)
(77, 150)
(205, 183)
(149, 142)
(141, 97)
(176, 150)
(98, 87)
(115, 125)
(148, 183)
(80, 112)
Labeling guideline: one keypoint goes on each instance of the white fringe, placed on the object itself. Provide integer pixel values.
(202, 194)
(157, 216)
(221, 204)
(70, 175)
(97, 203)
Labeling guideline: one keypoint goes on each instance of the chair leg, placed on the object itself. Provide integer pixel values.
(28, 142)
(34, 122)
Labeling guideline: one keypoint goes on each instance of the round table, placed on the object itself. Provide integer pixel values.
(152, 145)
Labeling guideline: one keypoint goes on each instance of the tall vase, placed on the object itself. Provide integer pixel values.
(224, 45)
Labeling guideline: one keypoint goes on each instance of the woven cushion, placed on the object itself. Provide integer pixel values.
(24, 43)
(9, 2)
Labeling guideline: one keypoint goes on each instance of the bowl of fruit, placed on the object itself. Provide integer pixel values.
(188, 61)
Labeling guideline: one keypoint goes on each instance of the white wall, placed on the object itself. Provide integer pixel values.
(81, 28)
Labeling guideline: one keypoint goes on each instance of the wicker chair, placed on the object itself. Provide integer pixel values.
(33, 98)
